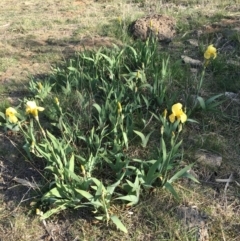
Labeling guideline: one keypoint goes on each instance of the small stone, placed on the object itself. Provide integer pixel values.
(208, 159)
(191, 61)
(193, 42)
(233, 96)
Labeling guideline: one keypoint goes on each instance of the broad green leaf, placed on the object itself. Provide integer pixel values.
(193, 121)
(212, 106)
(210, 100)
(180, 173)
(118, 223)
(170, 188)
(53, 211)
(152, 173)
(201, 102)
(100, 190)
(96, 181)
(190, 176)
(110, 61)
(134, 52)
(98, 108)
(71, 164)
(2, 115)
(85, 194)
(130, 184)
(135, 186)
(145, 100)
(26, 147)
(131, 198)
(72, 175)
(138, 160)
(176, 147)
(88, 58)
(110, 189)
(144, 139)
(72, 69)
(100, 187)
(95, 203)
(54, 193)
(140, 134)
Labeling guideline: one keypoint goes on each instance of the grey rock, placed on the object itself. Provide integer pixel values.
(208, 159)
(191, 61)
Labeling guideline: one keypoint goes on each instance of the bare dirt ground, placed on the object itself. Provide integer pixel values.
(39, 34)
(34, 35)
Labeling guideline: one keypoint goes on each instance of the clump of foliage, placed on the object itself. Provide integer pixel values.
(96, 109)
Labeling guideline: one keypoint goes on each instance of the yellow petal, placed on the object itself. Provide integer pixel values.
(207, 55)
(31, 104)
(10, 111)
(40, 108)
(212, 49)
(177, 109)
(28, 110)
(13, 119)
(172, 118)
(183, 117)
(34, 112)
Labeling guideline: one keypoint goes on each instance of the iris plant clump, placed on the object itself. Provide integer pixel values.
(111, 117)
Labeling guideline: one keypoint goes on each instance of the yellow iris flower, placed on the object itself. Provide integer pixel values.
(32, 108)
(211, 52)
(11, 115)
(178, 113)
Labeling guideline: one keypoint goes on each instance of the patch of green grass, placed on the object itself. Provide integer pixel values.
(6, 62)
(18, 228)
(46, 57)
(213, 142)
(117, 28)
(226, 74)
(4, 104)
(29, 24)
